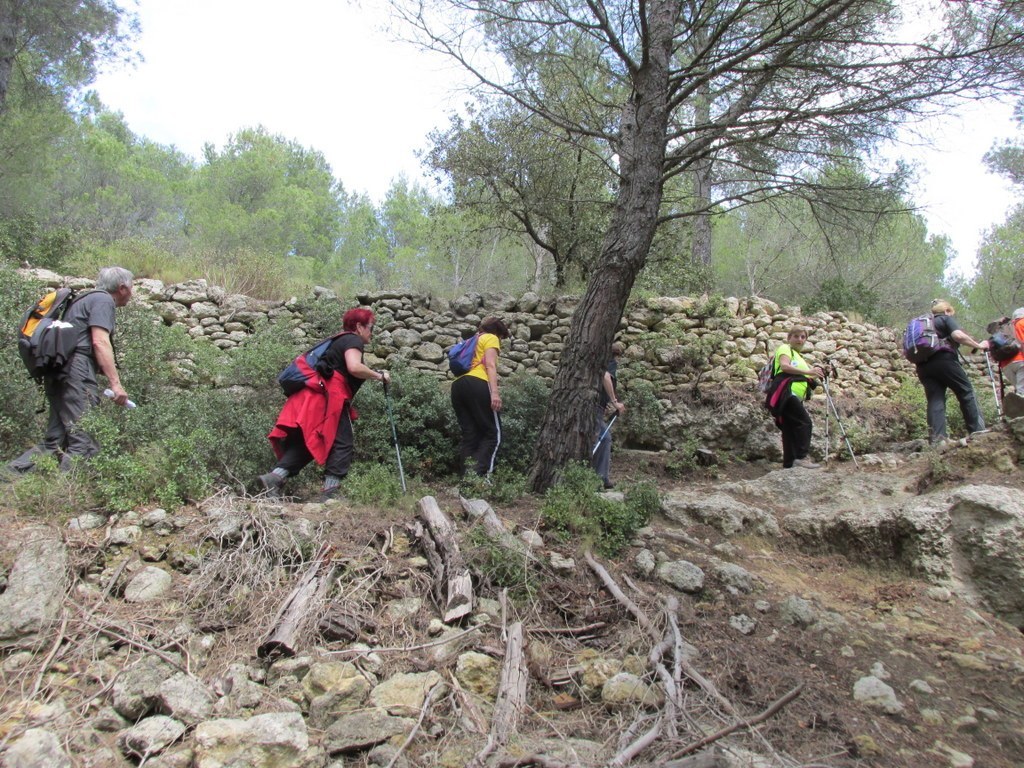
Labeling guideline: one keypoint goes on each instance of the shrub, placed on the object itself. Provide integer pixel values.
(423, 418)
(642, 426)
(573, 507)
(524, 399)
(373, 484)
(499, 567)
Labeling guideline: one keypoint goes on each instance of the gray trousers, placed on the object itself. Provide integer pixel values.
(602, 459)
(69, 396)
(1013, 376)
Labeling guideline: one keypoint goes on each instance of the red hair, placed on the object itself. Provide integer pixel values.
(354, 317)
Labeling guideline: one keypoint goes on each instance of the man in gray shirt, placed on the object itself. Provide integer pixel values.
(74, 390)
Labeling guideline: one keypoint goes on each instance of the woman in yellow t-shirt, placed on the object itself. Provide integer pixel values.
(477, 403)
(794, 420)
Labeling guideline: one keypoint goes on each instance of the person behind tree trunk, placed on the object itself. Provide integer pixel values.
(608, 404)
(74, 390)
(1013, 372)
(316, 422)
(477, 402)
(790, 415)
(943, 371)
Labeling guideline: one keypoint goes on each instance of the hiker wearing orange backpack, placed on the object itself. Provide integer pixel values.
(72, 389)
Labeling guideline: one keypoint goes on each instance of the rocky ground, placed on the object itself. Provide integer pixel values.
(840, 617)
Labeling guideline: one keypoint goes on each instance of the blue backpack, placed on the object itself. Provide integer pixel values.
(302, 371)
(460, 356)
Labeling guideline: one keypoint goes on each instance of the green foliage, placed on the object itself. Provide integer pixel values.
(573, 507)
(683, 458)
(47, 492)
(20, 425)
(642, 426)
(375, 484)
(524, 399)
(423, 419)
(23, 238)
(502, 487)
(499, 567)
(836, 294)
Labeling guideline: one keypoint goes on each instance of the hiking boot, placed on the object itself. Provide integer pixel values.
(806, 464)
(271, 484)
(332, 494)
(608, 485)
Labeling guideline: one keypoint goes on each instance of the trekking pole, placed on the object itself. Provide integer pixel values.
(605, 432)
(835, 412)
(394, 434)
(992, 378)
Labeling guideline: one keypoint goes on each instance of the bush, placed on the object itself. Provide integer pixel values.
(642, 426)
(524, 399)
(500, 568)
(423, 418)
(573, 507)
(373, 484)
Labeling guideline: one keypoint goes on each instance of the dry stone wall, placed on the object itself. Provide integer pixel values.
(670, 341)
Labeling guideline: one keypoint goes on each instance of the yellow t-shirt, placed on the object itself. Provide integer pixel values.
(798, 388)
(485, 342)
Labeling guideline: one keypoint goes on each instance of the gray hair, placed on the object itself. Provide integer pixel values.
(1018, 313)
(112, 278)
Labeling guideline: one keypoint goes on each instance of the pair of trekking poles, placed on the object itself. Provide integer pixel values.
(830, 405)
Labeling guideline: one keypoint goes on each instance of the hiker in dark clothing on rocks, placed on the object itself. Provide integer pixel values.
(477, 402)
(794, 374)
(943, 371)
(316, 422)
(608, 405)
(74, 390)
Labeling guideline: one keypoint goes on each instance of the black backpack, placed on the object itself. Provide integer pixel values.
(45, 341)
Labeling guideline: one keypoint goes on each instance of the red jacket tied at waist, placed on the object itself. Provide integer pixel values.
(316, 410)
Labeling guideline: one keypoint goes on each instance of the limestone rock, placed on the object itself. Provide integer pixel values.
(278, 739)
(35, 588)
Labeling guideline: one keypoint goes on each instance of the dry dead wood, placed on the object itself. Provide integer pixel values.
(452, 582)
(481, 511)
(775, 707)
(511, 696)
(298, 609)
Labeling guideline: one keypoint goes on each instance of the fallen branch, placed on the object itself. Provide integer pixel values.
(452, 581)
(296, 611)
(402, 649)
(511, 696)
(619, 595)
(638, 746)
(741, 725)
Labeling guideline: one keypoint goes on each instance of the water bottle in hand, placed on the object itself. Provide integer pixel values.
(110, 393)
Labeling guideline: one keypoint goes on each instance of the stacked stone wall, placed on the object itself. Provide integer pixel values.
(670, 341)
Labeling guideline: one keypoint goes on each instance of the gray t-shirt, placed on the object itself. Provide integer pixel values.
(94, 309)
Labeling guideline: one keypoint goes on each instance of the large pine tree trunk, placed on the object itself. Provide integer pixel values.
(568, 429)
(700, 245)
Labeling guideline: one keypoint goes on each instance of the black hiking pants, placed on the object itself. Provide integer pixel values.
(480, 426)
(296, 455)
(796, 431)
(938, 373)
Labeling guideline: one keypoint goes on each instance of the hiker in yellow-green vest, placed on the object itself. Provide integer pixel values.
(794, 374)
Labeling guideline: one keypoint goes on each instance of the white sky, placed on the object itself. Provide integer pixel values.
(322, 73)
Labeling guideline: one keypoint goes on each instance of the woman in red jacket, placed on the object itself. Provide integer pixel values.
(315, 423)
